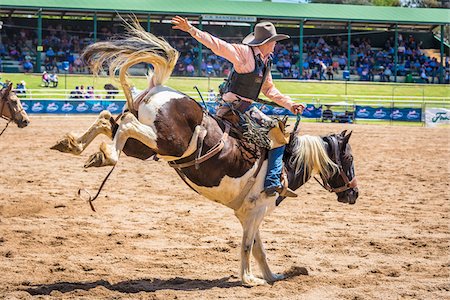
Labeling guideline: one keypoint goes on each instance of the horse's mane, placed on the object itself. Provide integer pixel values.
(135, 46)
(309, 152)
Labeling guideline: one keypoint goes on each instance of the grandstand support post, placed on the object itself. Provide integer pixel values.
(441, 71)
(300, 51)
(39, 45)
(148, 23)
(349, 41)
(396, 53)
(200, 48)
(95, 27)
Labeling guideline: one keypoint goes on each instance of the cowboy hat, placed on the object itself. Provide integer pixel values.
(264, 32)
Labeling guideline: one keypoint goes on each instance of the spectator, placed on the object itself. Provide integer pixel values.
(423, 76)
(190, 70)
(21, 89)
(387, 74)
(45, 79)
(75, 94)
(330, 73)
(53, 78)
(27, 67)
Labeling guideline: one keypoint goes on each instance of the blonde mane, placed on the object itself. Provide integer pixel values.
(310, 152)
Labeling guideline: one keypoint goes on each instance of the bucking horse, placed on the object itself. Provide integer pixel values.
(166, 123)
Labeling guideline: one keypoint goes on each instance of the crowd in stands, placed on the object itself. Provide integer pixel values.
(325, 58)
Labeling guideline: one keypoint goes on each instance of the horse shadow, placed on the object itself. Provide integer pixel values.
(150, 285)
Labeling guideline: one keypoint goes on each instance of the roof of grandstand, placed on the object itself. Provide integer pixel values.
(314, 14)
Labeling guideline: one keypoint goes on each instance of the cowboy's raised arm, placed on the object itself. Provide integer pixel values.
(232, 52)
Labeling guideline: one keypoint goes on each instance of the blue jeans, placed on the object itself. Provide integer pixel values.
(274, 168)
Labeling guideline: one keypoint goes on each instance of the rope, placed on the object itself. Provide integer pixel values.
(90, 200)
(5, 127)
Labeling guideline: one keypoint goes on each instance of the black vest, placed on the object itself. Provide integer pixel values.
(248, 85)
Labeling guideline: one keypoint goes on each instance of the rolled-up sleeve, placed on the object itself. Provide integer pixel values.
(235, 53)
(271, 92)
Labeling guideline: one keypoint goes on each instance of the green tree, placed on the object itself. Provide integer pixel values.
(424, 3)
(361, 2)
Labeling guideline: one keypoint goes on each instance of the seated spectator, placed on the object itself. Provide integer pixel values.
(190, 70)
(21, 89)
(111, 91)
(27, 67)
(53, 78)
(327, 114)
(45, 79)
(90, 92)
(211, 95)
(423, 76)
(76, 94)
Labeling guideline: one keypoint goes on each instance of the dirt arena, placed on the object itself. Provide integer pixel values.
(153, 238)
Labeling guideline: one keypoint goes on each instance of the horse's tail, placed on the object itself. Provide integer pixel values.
(137, 46)
(309, 152)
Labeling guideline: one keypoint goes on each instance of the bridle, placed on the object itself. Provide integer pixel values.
(6, 104)
(348, 184)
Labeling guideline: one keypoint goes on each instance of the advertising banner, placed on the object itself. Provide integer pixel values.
(388, 113)
(71, 106)
(310, 112)
(437, 117)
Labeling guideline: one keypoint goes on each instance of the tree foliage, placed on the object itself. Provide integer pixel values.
(406, 3)
(424, 3)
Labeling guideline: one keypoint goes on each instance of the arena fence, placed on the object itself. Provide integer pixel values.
(351, 109)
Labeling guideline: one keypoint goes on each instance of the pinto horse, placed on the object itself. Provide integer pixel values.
(214, 163)
(11, 108)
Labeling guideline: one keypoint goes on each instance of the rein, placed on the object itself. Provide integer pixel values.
(90, 199)
(349, 184)
(3, 102)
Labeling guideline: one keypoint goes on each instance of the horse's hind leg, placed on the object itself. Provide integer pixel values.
(261, 259)
(74, 145)
(250, 221)
(129, 127)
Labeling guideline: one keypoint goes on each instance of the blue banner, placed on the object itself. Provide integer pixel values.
(310, 112)
(388, 113)
(71, 106)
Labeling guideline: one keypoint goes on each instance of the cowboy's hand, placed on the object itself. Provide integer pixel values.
(181, 23)
(297, 108)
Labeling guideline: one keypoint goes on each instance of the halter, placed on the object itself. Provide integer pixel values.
(349, 184)
(11, 111)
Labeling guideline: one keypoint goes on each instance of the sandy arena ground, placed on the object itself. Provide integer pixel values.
(153, 238)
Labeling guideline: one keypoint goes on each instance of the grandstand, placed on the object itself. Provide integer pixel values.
(351, 42)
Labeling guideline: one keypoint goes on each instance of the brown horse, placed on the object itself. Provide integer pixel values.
(11, 108)
(199, 147)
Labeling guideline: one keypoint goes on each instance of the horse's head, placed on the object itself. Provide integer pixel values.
(343, 181)
(11, 109)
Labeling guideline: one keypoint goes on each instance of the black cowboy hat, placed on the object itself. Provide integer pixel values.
(264, 32)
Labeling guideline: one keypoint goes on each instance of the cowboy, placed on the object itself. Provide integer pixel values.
(252, 62)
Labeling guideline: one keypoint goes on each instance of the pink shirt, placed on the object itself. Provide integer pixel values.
(241, 56)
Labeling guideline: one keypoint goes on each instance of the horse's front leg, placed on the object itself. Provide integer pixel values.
(129, 127)
(261, 259)
(74, 145)
(250, 221)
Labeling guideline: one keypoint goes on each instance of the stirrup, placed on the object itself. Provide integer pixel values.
(286, 192)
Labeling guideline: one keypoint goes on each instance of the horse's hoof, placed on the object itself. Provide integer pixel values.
(275, 277)
(253, 281)
(96, 160)
(67, 145)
